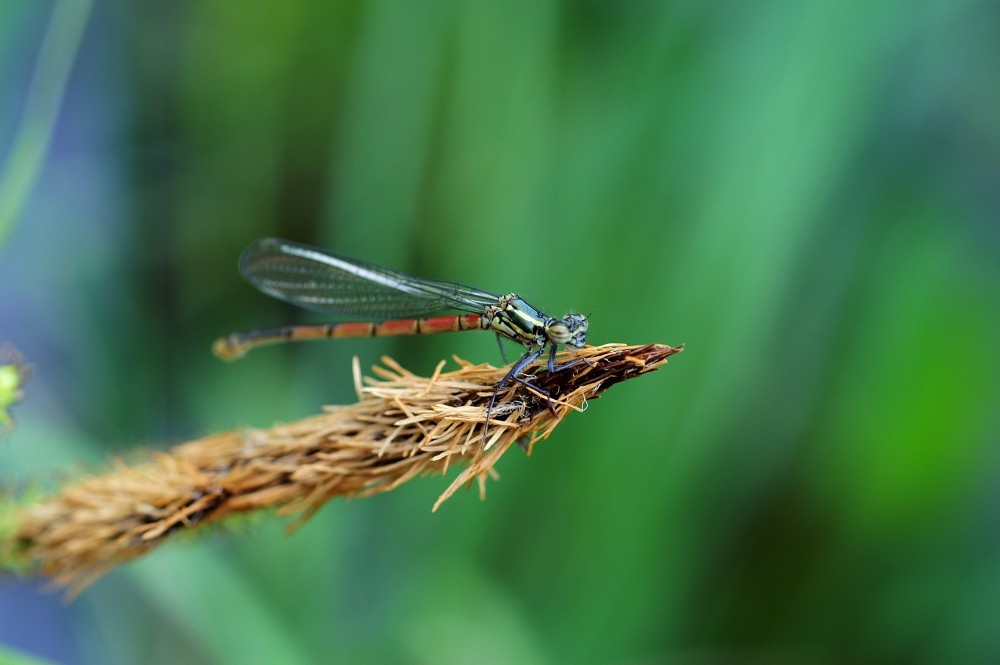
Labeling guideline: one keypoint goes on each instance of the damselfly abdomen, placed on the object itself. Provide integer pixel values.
(319, 280)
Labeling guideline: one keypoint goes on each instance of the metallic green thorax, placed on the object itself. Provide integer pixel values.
(516, 320)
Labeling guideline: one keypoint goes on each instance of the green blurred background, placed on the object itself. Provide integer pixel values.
(806, 194)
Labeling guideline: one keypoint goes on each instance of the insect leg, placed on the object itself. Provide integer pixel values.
(523, 362)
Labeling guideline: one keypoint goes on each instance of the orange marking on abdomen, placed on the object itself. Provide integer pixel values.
(439, 324)
(471, 322)
(306, 332)
(360, 329)
(389, 328)
(442, 324)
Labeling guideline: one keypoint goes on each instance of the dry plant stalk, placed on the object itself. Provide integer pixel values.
(402, 426)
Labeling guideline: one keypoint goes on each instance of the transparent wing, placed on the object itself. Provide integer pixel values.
(316, 279)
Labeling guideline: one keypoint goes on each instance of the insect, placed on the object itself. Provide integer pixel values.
(316, 279)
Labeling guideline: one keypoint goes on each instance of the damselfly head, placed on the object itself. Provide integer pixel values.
(571, 330)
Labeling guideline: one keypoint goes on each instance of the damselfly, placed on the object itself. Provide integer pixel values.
(319, 280)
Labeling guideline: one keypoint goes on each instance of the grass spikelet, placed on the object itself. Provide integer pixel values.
(401, 427)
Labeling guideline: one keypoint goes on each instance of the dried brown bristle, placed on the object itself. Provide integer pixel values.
(402, 426)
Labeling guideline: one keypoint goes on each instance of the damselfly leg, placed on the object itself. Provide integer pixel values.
(522, 362)
(515, 375)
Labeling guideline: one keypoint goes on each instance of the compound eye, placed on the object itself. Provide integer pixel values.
(577, 326)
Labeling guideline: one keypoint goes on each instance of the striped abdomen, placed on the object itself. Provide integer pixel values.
(237, 344)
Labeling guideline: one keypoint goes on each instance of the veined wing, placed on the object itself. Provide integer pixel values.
(315, 279)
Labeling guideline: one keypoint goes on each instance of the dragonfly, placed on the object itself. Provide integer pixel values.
(316, 279)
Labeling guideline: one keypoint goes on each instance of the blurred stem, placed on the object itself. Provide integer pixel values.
(11, 507)
(10, 657)
(41, 108)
